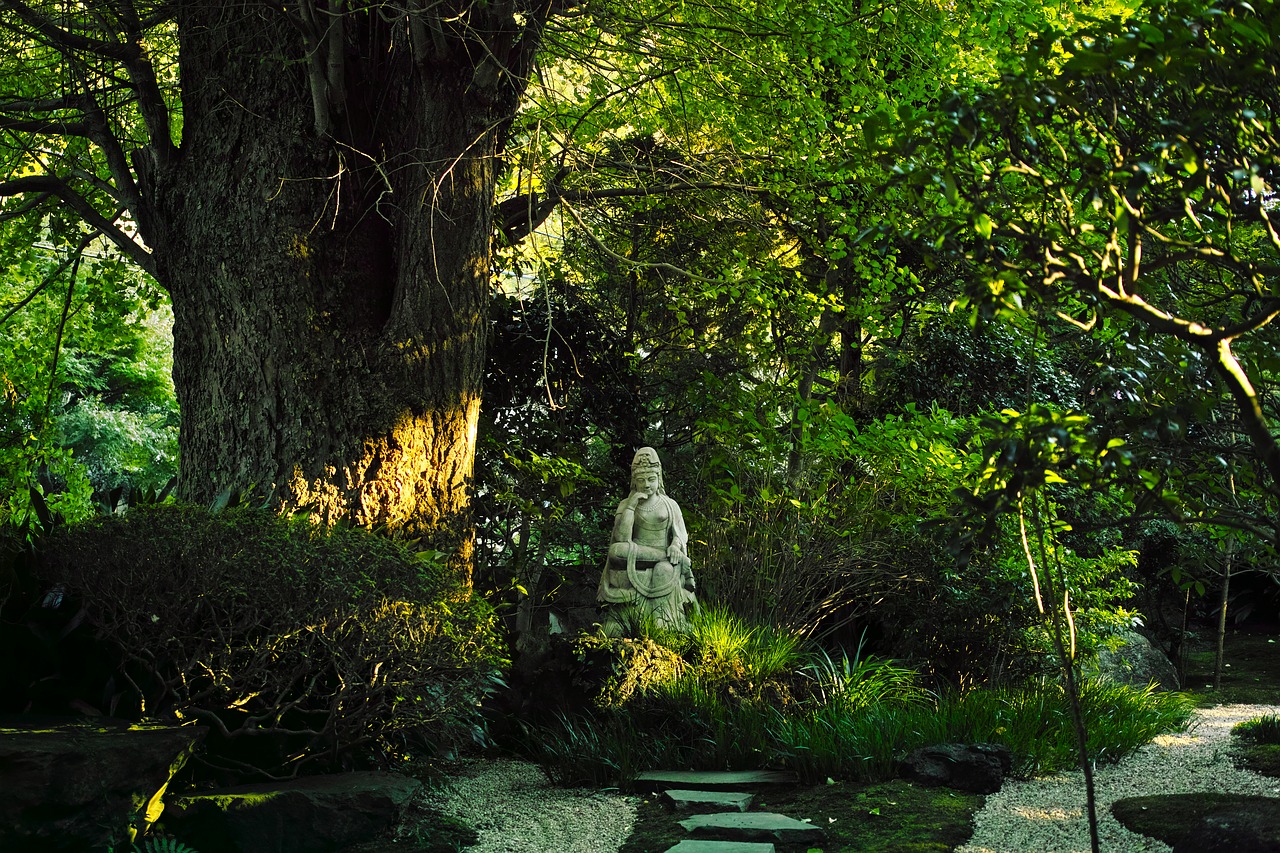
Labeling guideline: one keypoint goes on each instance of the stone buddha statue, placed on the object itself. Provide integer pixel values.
(648, 565)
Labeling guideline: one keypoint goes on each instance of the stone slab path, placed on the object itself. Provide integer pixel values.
(754, 826)
(687, 801)
(733, 829)
(711, 780)
(697, 845)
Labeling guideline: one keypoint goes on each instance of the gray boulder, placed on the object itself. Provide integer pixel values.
(978, 768)
(75, 787)
(316, 814)
(1137, 662)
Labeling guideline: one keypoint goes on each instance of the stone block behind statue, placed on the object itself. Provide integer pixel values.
(647, 570)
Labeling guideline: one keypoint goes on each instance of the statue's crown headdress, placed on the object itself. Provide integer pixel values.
(646, 459)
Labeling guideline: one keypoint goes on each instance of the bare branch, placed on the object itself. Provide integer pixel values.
(60, 127)
(630, 262)
(25, 207)
(521, 215)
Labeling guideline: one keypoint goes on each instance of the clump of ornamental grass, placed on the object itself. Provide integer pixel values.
(743, 697)
(722, 646)
(1259, 730)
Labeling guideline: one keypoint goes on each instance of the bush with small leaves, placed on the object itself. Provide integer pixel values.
(299, 647)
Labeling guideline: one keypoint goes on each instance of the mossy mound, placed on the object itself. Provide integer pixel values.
(1186, 822)
(1263, 758)
(616, 669)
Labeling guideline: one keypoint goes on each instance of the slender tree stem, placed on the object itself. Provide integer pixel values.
(1066, 658)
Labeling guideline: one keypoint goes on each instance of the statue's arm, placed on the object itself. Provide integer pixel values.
(624, 522)
(678, 551)
(679, 535)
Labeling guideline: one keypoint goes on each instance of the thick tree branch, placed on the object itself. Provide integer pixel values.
(55, 186)
(92, 121)
(142, 74)
(101, 133)
(1190, 331)
(1216, 342)
(1252, 417)
(317, 45)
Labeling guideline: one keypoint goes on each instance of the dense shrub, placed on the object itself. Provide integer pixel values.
(613, 670)
(745, 697)
(297, 646)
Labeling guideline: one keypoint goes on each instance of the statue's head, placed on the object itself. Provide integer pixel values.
(646, 468)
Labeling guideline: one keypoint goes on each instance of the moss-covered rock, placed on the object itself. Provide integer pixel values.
(312, 815)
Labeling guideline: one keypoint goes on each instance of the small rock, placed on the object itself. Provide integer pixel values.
(978, 768)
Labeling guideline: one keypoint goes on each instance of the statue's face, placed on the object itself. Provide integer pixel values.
(646, 483)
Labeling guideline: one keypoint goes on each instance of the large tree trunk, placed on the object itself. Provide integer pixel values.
(330, 273)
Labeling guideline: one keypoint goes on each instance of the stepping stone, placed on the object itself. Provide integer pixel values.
(698, 845)
(711, 780)
(706, 800)
(754, 826)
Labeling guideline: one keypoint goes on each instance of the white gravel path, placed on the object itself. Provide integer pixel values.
(1048, 816)
(516, 810)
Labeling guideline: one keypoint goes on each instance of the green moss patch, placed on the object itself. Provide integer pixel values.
(1251, 678)
(1261, 758)
(1173, 817)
